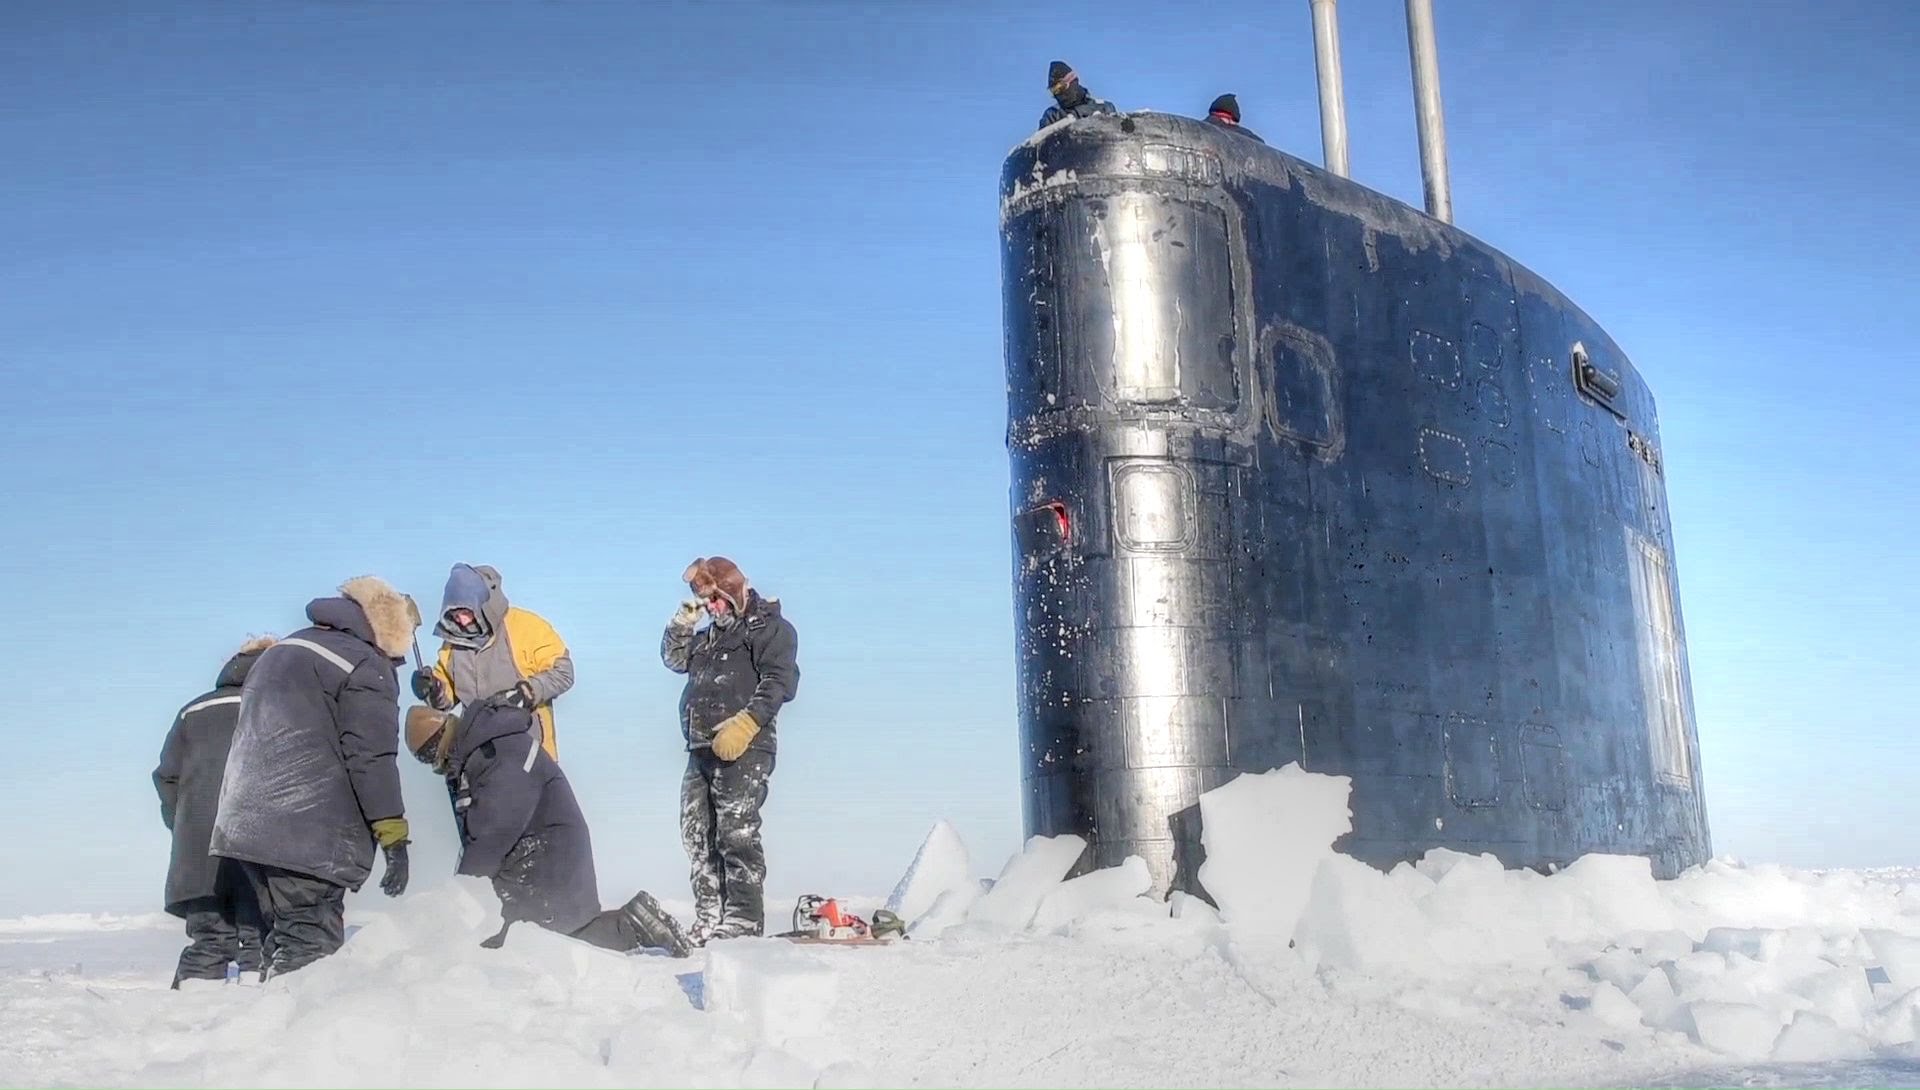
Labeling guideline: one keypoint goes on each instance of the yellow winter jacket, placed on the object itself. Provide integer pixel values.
(536, 649)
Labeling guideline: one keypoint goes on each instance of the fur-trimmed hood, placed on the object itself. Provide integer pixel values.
(371, 609)
(234, 673)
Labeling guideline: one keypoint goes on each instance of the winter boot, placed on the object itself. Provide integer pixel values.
(653, 926)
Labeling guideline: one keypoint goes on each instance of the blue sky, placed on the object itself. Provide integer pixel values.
(294, 292)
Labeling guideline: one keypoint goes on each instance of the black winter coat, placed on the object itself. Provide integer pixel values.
(1241, 129)
(192, 762)
(519, 822)
(312, 765)
(749, 664)
(1086, 107)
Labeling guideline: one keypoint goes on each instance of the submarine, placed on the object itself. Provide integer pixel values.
(1303, 474)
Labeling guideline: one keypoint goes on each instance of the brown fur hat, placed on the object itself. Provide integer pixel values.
(711, 575)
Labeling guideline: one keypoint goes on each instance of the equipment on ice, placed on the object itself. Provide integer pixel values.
(822, 919)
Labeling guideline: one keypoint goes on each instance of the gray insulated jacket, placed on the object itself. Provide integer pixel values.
(519, 822)
(748, 665)
(312, 765)
(192, 762)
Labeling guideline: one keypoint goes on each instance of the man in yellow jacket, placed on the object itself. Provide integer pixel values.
(489, 647)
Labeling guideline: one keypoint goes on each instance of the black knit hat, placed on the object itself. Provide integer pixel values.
(1058, 73)
(1226, 104)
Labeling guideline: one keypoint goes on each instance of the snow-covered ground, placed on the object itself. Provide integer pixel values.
(1315, 970)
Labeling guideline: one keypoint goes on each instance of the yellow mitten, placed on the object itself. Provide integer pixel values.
(734, 735)
(390, 831)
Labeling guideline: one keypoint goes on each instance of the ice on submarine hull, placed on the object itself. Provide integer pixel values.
(1302, 474)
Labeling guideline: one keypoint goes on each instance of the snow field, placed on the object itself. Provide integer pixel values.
(1315, 969)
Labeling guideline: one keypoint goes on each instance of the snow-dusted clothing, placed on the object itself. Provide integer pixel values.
(515, 645)
(519, 822)
(222, 927)
(306, 916)
(312, 765)
(192, 762)
(748, 665)
(720, 805)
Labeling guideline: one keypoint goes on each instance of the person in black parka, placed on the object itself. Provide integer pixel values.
(521, 827)
(740, 670)
(311, 784)
(1224, 113)
(210, 894)
(1070, 99)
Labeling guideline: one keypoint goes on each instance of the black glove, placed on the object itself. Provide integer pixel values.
(520, 696)
(394, 881)
(428, 687)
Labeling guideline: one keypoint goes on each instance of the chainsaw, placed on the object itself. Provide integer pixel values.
(822, 919)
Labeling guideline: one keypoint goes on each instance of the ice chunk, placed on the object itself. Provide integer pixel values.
(1897, 1023)
(1813, 1037)
(1655, 997)
(1612, 1006)
(1898, 956)
(1265, 835)
(1758, 943)
(940, 866)
(1609, 894)
(777, 990)
(1840, 994)
(1737, 1029)
(1620, 968)
(1108, 888)
(1359, 918)
(1655, 947)
(1026, 880)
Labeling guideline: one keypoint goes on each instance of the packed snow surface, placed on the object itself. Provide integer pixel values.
(1315, 970)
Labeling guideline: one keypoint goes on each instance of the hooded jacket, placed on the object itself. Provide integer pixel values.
(518, 645)
(748, 665)
(312, 764)
(192, 762)
(519, 822)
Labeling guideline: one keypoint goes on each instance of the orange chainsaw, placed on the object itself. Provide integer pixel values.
(822, 919)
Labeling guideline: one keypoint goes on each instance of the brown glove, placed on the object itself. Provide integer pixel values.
(734, 735)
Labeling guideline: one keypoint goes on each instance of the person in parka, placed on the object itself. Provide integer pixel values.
(312, 784)
(740, 670)
(209, 893)
(1070, 99)
(1224, 113)
(490, 647)
(521, 827)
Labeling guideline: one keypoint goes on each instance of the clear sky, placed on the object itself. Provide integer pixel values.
(292, 292)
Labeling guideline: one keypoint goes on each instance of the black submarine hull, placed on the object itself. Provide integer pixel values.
(1303, 475)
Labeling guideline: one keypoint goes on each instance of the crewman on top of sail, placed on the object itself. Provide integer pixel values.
(1070, 98)
(1225, 113)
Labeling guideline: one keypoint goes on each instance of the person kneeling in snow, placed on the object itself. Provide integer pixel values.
(521, 827)
(209, 893)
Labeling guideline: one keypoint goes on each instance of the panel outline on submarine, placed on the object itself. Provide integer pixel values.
(1420, 507)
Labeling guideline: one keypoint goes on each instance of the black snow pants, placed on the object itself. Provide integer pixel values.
(222, 928)
(641, 924)
(305, 917)
(720, 827)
